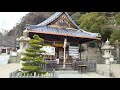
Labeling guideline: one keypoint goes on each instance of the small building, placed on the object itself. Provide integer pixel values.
(56, 29)
(5, 50)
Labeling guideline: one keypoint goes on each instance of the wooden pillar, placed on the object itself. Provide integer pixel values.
(65, 43)
(87, 52)
(80, 51)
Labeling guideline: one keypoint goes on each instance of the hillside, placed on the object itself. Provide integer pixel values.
(30, 18)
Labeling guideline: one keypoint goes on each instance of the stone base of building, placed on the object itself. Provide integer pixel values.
(14, 59)
(106, 73)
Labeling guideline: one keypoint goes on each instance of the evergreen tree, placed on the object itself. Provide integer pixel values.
(115, 36)
(33, 57)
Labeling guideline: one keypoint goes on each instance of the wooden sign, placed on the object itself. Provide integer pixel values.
(74, 51)
(49, 50)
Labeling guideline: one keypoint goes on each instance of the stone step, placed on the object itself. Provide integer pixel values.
(67, 67)
(66, 72)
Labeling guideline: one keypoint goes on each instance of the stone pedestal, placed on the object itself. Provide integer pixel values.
(107, 61)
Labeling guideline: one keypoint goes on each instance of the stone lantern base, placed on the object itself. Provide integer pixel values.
(107, 61)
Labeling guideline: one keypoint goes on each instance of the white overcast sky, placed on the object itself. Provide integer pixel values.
(9, 19)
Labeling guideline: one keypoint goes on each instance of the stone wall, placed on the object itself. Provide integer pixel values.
(103, 68)
(92, 54)
(4, 59)
(14, 59)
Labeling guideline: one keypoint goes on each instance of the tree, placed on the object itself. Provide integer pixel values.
(117, 18)
(33, 57)
(106, 32)
(75, 16)
(115, 36)
(92, 21)
(98, 22)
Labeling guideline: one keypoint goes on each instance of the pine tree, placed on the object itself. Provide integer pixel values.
(33, 57)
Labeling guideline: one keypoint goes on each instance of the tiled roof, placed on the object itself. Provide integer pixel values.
(54, 17)
(64, 32)
(50, 19)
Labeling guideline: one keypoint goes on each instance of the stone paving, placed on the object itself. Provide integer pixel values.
(6, 69)
(75, 74)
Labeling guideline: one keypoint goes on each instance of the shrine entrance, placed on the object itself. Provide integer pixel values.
(59, 51)
(58, 28)
(60, 55)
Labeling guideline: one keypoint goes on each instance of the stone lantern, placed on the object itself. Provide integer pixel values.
(107, 52)
(23, 44)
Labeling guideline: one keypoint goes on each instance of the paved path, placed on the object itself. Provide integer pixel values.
(6, 69)
(75, 74)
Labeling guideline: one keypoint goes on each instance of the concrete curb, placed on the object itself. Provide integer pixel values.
(106, 73)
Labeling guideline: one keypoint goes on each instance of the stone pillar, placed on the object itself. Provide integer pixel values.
(23, 45)
(117, 50)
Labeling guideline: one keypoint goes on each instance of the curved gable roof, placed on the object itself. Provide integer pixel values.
(50, 19)
(56, 16)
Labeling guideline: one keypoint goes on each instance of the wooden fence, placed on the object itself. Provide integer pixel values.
(51, 64)
(50, 67)
(91, 65)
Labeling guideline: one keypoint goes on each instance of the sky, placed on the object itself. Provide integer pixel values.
(9, 19)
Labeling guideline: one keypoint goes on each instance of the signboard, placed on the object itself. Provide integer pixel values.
(111, 59)
(49, 50)
(74, 51)
(14, 54)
